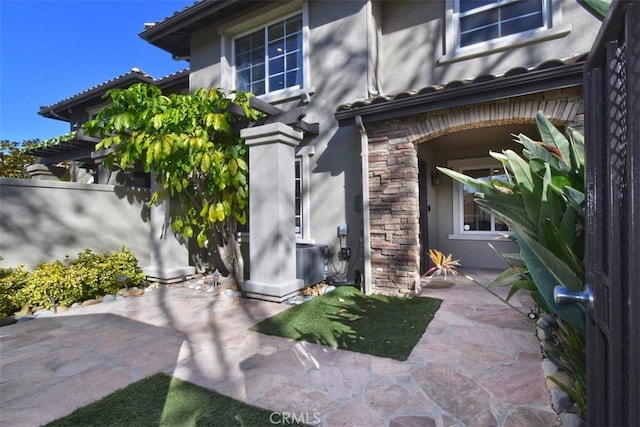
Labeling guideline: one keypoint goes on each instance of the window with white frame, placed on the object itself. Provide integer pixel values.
(484, 20)
(469, 221)
(478, 27)
(271, 58)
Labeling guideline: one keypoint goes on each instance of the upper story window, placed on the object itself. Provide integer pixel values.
(270, 59)
(480, 27)
(484, 20)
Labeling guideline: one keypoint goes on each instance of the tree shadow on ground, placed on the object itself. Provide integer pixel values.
(347, 319)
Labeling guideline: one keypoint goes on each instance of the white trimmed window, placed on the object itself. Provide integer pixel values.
(270, 59)
(469, 221)
(480, 27)
(484, 20)
(266, 53)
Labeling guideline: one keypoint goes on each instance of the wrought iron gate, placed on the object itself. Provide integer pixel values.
(612, 107)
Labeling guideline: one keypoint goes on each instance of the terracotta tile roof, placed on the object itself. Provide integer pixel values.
(94, 93)
(382, 103)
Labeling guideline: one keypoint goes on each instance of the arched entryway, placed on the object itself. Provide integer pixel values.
(403, 154)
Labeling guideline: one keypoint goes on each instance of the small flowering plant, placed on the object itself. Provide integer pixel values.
(443, 265)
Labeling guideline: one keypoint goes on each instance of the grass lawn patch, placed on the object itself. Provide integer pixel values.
(350, 320)
(161, 400)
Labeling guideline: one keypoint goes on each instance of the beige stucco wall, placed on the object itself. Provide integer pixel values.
(47, 220)
(413, 36)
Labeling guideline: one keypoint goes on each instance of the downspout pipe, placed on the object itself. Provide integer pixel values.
(366, 217)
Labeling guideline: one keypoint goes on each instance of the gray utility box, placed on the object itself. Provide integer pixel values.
(311, 263)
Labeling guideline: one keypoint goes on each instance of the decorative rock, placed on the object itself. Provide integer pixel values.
(122, 291)
(43, 313)
(564, 378)
(90, 302)
(119, 297)
(541, 334)
(571, 420)
(75, 305)
(108, 298)
(294, 300)
(327, 289)
(546, 321)
(61, 309)
(548, 367)
(133, 292)
(560, 400)
(196, 284)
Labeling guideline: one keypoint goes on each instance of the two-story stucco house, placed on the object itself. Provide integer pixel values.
(398, 88)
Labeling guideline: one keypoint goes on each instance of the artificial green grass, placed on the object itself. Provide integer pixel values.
(161, 400)
(350, 320)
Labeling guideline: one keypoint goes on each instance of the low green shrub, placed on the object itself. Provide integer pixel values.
(57, 283)
(11, 281)
(49, 284)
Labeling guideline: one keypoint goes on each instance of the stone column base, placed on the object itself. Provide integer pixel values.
(276, 292)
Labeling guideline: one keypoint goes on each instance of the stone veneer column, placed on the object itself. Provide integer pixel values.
(272, 249)
(169, 258)
(394, 214)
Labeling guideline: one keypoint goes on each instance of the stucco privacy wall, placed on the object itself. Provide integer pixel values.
(393, 176)
(46, 220)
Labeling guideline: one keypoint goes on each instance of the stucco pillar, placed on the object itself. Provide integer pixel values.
(272, 250)
(169, 258)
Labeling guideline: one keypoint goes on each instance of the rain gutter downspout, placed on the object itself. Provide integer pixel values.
(366, 217)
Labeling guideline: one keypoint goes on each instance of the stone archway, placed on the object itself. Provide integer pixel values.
(393, 173)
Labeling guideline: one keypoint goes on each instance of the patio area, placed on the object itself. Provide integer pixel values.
(478, 363)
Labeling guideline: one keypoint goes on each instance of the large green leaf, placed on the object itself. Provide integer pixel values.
(548, 271)
(529, 184)
(478, 185)
(597, 8)
(561, 248)
(553, 137)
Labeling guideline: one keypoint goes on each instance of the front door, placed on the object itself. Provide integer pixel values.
(612, 119)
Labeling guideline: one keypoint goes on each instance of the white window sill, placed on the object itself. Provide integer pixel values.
(305, 241)
(505, 43)
(478, 236)
(288, 94)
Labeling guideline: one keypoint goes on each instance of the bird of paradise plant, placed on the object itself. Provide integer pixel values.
(443, 265)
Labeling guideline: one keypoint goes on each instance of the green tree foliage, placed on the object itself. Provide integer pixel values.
(13, 160)
(192, 143)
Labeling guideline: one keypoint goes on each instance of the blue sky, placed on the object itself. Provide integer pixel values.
(53, 49)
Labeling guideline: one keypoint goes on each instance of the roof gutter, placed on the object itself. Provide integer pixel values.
(366, 216)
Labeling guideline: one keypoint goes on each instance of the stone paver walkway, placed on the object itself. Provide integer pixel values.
(478, 363)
